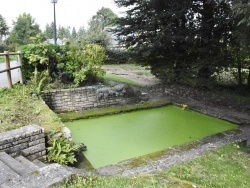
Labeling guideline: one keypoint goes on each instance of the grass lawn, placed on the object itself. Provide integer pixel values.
(116, 78)
(228, 166)
(18, 108)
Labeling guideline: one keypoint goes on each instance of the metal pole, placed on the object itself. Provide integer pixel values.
(55, 39)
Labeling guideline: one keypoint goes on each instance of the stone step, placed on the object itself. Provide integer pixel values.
(39, 163)
(51, 175)
(27, 163)
(14, 164)
(6, 173)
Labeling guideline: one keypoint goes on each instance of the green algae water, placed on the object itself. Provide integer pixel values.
(114, 138)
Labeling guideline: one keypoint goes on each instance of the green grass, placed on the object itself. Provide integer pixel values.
(228, 166)
(145, 181)
(127, 66)
(12, 58)
(121, 79)
(18, 108)
(65, 117)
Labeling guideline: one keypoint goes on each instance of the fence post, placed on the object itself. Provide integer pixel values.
(7, 64)
(21, 67)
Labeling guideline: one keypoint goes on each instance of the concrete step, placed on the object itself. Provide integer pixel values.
(51, 175)
(27, 163)
(6, 173)
(39, 163)
(14, 164)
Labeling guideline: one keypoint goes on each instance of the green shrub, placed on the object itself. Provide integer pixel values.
(61, 151)
(84, 65)
(43, 56)
(65, 63)
(3, 47)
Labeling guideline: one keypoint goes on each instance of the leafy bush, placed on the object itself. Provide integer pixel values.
(61, 151)
(66, 63)
(85, 65)
(43, 56)
(3, 47)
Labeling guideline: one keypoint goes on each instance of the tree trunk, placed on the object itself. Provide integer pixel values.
(239, 69)
(248, 79)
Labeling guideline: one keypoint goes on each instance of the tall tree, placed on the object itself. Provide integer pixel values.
(156, 31)
(97, 31)
(106, 17)
(74, 34)
(172, 36)
(240, 45)
(24, 28)
(4, 29)
(63, 33)
(49, 31)
(213, 36)
(81, 33)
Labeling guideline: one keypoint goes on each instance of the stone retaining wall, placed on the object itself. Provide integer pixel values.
(80, 99)
(28, 141)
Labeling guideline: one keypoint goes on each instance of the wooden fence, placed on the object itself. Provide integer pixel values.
(8, 68)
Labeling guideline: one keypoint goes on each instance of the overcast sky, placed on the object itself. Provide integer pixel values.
(72, 13)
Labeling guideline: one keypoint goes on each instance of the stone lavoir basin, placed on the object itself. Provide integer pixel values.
(114, 138)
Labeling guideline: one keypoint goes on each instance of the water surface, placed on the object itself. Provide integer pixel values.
(114, 138)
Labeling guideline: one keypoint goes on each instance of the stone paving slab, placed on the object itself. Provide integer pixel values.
(27, 163)
(45, 177)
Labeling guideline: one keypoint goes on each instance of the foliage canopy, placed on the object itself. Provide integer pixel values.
(24, 28)
(183, 41)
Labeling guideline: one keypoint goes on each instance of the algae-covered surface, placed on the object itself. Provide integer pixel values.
(114, 138)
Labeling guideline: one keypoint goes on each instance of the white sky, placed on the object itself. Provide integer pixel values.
(72, 13)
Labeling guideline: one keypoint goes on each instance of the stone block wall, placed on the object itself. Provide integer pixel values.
(80, 99)
(28, 141)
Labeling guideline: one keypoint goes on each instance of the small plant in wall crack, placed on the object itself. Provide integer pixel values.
(62, 151)
(184, 106)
